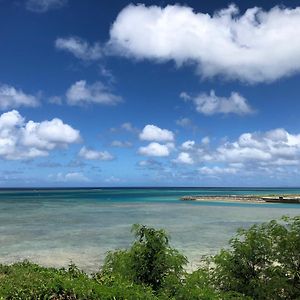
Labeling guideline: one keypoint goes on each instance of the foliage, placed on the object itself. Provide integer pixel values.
(30, 281)
(263, 262)
(150, 260)
(196, 286)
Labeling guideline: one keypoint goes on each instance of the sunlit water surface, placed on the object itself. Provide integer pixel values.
(55, 227)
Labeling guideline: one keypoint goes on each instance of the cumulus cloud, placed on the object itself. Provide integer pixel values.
(79, 48)
(10, 97)
(21, 140)
(154, 133)
(48, 134)
(253, 153)
(41, 6)
(210, 104)
(156, 149)
(272, 147)
(254, 46)
(81, 93)
(90, 154)
(275, 152)
(184, 158)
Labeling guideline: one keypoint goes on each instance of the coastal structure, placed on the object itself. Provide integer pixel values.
(282, 199)
(293, 199)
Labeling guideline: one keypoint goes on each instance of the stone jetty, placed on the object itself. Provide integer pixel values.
(293, 199)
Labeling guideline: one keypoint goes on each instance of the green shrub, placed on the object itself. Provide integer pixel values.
(30, 281)
(263, 262)
(150, 260)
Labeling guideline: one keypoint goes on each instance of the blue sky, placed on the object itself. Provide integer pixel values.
(163, 93)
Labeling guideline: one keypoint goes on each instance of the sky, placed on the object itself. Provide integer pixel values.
(152, 93)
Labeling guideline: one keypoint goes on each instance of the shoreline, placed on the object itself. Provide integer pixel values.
(257, 199)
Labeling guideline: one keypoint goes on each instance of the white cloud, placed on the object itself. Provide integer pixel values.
(184, 158)
(210, 104)
(128, 127)
(79, 48)
(217, 171)
(81, 93)
(185, 96)
(205, 140)
(249, 151)
(21, 140)
(113, 179)
(154, 133)
(10, 97)
(55, 100)
(272, 147)
(48, 134)
(156, 149)
(69, 177)
(188, 145)
(275, 153)
(107, 73)
(150, 164)
(253, 47)
(95, 155)
(184, 122)
(41, 6)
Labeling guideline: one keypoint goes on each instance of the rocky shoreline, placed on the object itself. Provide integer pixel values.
(293, 199)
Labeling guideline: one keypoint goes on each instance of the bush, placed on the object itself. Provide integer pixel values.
(263, 262)
(30, 281)
(150, 260)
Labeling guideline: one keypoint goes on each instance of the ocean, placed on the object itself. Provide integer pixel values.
(54, 227)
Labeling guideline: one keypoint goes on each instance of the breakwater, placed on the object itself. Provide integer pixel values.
(293, 199)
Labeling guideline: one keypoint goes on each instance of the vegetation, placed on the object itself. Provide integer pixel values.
(29, 281)
(150, 261)
(263, 262)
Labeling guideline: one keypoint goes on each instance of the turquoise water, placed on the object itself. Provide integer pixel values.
(54, 227)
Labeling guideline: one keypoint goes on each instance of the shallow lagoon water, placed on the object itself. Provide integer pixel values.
(55, 227)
